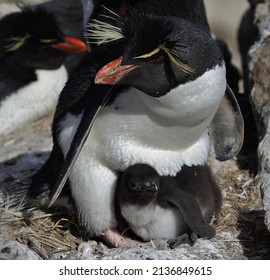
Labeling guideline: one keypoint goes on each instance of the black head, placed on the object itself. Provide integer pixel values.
(139, 184)
(160, 53)
(32, 38)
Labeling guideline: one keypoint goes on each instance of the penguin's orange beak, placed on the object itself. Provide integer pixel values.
(71, 45)
(113, 72)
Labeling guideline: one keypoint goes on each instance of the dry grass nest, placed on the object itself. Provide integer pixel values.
(57, 231)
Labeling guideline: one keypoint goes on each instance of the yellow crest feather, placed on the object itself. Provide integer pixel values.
(17, 42)
(100, 32)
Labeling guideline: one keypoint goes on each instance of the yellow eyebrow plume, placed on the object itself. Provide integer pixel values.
(150, 53)
(174, 59)
(17, 42)
(47, 41)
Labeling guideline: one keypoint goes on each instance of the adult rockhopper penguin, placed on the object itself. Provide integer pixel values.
(227, 128)
(32, 51)
(169, 79)
(178, 208)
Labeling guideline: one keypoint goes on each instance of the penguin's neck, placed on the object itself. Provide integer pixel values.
(191, 103)
(13, 77)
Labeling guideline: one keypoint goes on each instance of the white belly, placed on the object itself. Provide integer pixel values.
(32, 101)
(165, 132)
(153, 222)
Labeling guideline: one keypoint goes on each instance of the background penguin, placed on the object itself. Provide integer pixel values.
(69, 17)
(143, 123)
(32, 51)
(177, 208)
(246, 36)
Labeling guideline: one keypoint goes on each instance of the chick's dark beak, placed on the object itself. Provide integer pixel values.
(150, 187)
(71, 45)
(113, 72)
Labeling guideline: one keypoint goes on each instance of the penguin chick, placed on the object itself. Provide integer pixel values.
(176, 208)
(32, 52)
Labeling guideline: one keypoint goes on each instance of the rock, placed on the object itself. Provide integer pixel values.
(158, 250)
(13, 250)
(259, 68)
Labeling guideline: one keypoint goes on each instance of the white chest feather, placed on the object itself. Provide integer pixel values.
(32, 101)
(153, 222)
(165, 132)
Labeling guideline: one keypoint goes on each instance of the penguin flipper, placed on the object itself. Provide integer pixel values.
(194, 218)
(92, 97)
(227, 127)
(77, 143)
(191, 211)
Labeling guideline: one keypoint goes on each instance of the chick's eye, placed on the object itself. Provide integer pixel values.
(134, 187)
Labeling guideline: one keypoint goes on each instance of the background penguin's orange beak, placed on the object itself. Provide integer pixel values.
(112, 72)
(71, 45)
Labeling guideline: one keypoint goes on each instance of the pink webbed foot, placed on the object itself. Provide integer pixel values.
(115, 239)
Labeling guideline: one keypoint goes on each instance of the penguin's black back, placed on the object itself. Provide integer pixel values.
(191, 10)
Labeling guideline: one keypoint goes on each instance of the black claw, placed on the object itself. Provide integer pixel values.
(183, 239)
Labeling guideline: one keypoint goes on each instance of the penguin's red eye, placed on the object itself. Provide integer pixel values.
(156, 59)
